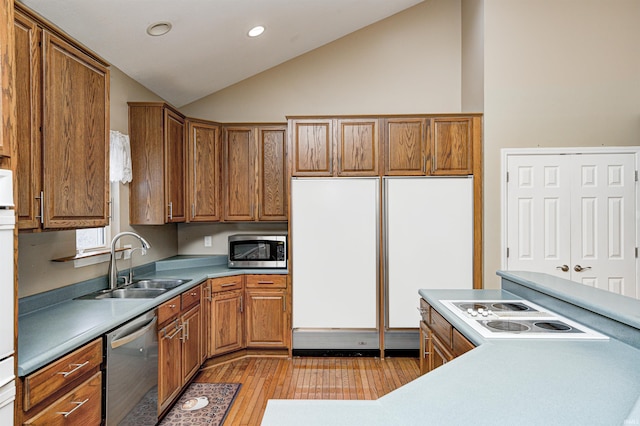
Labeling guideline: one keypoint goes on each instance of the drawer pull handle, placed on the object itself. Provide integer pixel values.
(194, 294)
(265, 282)
(78, 405)
(77, 367)
(227, 285)
(172, 335)
(172, 306)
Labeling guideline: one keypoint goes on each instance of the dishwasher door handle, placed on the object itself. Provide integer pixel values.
(133, 336)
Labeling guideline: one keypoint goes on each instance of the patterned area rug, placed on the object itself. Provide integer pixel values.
(202, 404)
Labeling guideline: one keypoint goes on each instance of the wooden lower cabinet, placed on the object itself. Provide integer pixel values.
(65, 392)
(267, 314)
(227, 325)
(179, 344)
(440, 342)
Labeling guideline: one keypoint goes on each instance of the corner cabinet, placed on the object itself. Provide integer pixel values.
(158, 160)
(440, 342)
(255, 173)
(62, 101)
(226, 316)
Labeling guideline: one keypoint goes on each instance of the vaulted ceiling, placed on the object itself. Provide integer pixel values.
(207, 48)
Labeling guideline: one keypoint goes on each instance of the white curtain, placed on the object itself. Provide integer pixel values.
(120, 158)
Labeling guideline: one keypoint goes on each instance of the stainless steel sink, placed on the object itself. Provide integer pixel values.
(158, 283)
(132, 293)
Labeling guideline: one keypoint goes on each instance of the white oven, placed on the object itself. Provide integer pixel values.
(7, 225)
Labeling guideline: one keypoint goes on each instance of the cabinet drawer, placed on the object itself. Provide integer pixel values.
(168, 310)
(227, 283)
(81, 406)
(267, 281)
(460, 344)
(440, 327)
(59, 374)
(191, 297)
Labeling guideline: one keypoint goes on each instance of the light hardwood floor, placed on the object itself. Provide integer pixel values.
(306, 378)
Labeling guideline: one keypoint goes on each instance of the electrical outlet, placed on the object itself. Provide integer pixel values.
(207, 241)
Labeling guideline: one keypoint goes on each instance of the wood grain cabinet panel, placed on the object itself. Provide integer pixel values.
(227, 322)
(272, 171)
(267, 324)
(451, 151)
(204, 171)
(191, 337)
(7, 72)
(169, 364)
(75, 137)
(158, 153)
(28, 105)
(357, 147)
(311, 147)
(239, 153)
(405, 146)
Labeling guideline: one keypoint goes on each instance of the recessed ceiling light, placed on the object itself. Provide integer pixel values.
(256, 31)
(159, 28)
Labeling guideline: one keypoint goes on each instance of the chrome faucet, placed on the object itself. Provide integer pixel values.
(113, 269)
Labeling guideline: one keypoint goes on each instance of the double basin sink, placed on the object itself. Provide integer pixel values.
(140, 289)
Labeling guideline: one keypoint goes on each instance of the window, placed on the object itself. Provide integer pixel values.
(99, 239)
(91, 239)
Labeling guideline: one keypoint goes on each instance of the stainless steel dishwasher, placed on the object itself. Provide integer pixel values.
(132, 373)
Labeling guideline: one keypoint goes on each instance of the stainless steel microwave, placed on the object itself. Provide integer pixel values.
(257, 251)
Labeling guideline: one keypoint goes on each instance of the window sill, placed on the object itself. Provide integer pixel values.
(89, 258)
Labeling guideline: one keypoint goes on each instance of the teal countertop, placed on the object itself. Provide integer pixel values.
(54, 330)
(509, 381)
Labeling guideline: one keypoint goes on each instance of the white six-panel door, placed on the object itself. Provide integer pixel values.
(574, 216)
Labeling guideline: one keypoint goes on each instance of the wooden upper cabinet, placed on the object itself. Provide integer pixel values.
(28, 106)
(239, 153)
(75, 136)
(451, 149)
(272, 186)
(357, 147)
(255, 173)
(8, 94)
(405, 146)
(311, 147)
(204, 171)
(175, 162)
(156, 192)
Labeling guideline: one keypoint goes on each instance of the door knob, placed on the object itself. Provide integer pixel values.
(564, 268)
(579, 268)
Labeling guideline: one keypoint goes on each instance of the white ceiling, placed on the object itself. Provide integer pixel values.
(207, 49)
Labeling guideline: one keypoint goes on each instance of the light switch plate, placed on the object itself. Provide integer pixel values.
(207, 241)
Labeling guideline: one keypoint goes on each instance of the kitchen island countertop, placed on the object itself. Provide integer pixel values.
(504, 381)
(50, 332)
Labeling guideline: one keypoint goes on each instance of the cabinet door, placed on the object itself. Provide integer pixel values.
(169, 364)
(405, 146)
(226, 322)
(272, 189)
(204, 172)
(438, 353)
(424, 348)
(7, 76)
(205, 320)
(191, 343)
(239, 173)
(174, 166)
(28, 98)
(311, 147)
(451, 147)
(357, 145)
(75, 137)
(267, 324)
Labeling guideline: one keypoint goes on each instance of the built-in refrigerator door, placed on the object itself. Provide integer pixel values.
(7, 391)
(429, 242)
(335, 253)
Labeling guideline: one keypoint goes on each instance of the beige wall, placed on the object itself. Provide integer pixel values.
(408, 63)
(472, 82)
(36, 272)
(557, 73)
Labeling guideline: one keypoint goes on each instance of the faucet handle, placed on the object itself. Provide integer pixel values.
(123, 278)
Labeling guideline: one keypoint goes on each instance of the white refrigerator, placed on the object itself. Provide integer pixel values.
(7, 225)
(355, 240)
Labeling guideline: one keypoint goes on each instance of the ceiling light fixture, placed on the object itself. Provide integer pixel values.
(256, 31)
(159, 28)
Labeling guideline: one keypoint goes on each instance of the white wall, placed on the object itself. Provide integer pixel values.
(407, 63)
(557, 73)
(36, 272)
